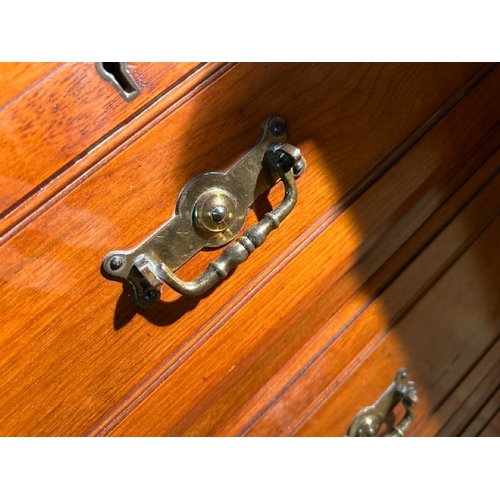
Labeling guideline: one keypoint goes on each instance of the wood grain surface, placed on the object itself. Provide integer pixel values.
(458, 297)
(16, 79)
(59, 118)
(320, 364)
(396, 221)
(277, 337)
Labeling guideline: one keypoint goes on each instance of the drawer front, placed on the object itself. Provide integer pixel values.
(63, 119)
(386, 145)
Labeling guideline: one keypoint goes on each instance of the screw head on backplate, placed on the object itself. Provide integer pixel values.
(278, 128)
(115, 263)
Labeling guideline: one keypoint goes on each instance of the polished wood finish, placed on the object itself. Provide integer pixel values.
(54, 188)
(453, 350)
(390, 247)
(53, 123)
(326, 360)
(17, 78)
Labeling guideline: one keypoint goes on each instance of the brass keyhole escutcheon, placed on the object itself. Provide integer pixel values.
(119, 76)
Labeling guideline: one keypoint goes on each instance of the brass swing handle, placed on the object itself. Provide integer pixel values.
(239, 250)
(210, 212)
(369, 420)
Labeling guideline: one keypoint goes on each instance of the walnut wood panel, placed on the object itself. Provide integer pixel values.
(64, 115)
(459, 317)
(18, 78)
(77, 358)
(274, 334)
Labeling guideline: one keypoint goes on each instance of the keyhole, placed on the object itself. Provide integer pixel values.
(118, 74)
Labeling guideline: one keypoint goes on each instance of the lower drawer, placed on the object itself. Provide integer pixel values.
(442, 315)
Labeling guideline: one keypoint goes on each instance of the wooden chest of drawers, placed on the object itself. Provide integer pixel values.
(389, 258)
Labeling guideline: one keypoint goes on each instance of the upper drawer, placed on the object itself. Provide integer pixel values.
(59, 112)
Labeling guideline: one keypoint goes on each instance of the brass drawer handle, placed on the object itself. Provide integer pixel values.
(210, 212)
(369, 420)
(238, 251)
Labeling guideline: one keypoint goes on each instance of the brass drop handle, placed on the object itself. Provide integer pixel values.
(239, 250)
(210, 212)
(369, 420)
